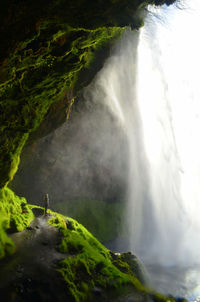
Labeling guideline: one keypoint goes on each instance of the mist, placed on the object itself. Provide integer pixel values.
(133, 138)
(87, 156)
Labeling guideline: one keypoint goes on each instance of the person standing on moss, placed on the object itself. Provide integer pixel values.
(46, 203)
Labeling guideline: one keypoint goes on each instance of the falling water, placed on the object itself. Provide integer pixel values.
(168, 98)
(151, 83)
(151, 86)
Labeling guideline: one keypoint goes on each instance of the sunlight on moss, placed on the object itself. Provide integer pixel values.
(88, 264)
(15, 216)
(105, 220)
(38, 76)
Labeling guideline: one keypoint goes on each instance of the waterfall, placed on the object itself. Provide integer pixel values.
(169, 106)
(151, 84)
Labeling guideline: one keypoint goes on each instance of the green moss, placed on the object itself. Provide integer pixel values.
(89, 265)
(12, 143)
(50, 50)
(38, 74)
(15, 215)
(104, 220)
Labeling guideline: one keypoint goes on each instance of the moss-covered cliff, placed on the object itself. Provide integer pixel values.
(57, 259)
(15, 215)
(49, 51)
(36, 76)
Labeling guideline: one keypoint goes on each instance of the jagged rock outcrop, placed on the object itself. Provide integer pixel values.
(49, 51)
(57, 259)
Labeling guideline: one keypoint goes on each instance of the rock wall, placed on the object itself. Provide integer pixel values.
(47, 48)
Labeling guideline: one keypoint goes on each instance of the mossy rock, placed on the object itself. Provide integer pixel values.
(50, 50)
(103, 219)
(64, 261)
(15, 216)
(127, 262)
(91, 272)
(38, 78)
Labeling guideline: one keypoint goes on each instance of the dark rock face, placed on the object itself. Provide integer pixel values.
(134, 265)
(33, 273)
(47, 48)
(40, 66)
(83, 167)
(30, 274)
(77, 161)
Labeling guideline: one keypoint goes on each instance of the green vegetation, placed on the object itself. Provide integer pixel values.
(49, 51)
(104, 220)
(89, 262)
(37, 76)
(15, 215)
(89, 265)
(90, 271)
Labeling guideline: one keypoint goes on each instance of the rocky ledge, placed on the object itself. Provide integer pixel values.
(57, 259)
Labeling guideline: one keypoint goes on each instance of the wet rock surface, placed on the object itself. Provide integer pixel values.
(134, 263)
(30, 274)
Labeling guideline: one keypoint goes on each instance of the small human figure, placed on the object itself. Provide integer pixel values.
(24, 208)
(46, 203)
